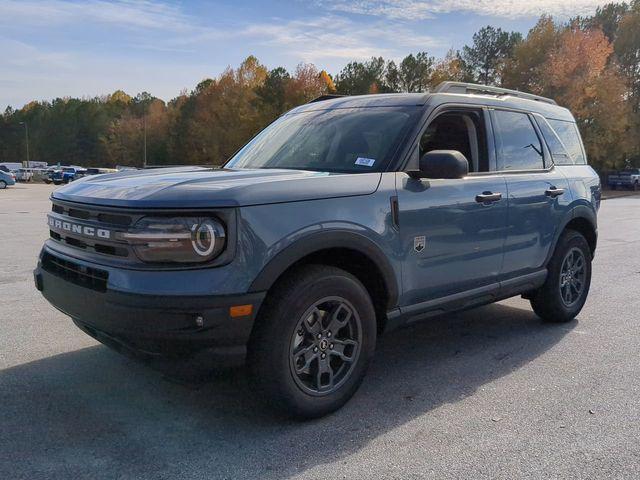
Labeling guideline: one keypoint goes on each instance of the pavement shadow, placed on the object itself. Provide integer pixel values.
(94, 414)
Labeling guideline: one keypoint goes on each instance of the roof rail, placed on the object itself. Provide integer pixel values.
(470, 88)
(327, 96)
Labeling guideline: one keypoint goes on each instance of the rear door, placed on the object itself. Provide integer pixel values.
(537, 193)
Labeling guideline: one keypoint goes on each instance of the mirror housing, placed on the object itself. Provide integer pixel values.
(442, 164)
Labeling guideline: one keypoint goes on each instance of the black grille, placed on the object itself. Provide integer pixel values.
(87, 277)
(97, 218)
(87, 214)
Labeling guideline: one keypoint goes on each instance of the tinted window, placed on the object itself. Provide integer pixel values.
(340, 140)
(568, 133)
(519, 147)
(556, 147)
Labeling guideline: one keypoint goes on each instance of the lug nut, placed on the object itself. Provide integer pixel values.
(315, 349)
(323, 356)
(328, 334)
(331, 346)
(319, 335)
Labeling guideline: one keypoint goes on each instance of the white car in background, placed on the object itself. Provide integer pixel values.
(24, 174)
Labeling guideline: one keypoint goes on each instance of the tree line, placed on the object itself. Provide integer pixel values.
(590, 64)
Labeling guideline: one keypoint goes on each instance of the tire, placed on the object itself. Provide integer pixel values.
(3, 184)
(57, 183)
(565, 291)
(293, 335)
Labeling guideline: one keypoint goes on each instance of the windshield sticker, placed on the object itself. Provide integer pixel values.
(367, 162)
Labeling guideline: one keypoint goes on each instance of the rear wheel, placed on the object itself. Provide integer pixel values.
(565, 291)
(313, 342)
(3, 184)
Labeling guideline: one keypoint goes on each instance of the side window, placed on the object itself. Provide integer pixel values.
(568, 133)
(556, 147)
(463, 131)
(519, 147)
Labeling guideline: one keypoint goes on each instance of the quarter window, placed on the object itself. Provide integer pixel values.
(568, 133)
(557, 149)
(519, 147)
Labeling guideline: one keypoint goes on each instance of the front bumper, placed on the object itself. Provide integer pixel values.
(142, 322)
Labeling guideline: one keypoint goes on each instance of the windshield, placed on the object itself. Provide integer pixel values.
(340, 140)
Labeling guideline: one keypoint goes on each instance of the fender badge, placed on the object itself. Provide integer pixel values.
(419, 243)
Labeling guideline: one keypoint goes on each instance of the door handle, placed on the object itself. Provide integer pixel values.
(488, 197)
(554, 192)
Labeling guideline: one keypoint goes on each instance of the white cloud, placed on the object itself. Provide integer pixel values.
(332, 37)
(424, 9)
(147, 14)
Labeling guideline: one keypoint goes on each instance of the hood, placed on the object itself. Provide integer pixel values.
(194, 187)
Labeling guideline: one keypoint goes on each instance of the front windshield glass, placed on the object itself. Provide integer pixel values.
(341, 140)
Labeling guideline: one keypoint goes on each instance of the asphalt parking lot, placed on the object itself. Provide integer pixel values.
(490, 393)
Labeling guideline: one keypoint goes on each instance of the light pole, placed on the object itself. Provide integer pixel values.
(26, 134)
(144, 154)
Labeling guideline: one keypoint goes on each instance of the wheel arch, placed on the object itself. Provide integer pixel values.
(583, 220)
(352, 252)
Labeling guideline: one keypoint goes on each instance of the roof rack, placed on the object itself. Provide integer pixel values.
(328, 96)
(470, 88)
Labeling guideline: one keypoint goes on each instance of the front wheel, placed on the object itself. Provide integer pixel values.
(313, 342)
(565, 291)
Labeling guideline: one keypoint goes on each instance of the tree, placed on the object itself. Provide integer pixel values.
(451, 68)
(581, 78)
(526, 69)
(607, 18)
(491, 47)
(627, 48)
(306, 84)
(359, 78)
(415, 72)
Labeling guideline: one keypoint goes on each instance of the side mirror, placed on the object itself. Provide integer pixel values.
(442, 164)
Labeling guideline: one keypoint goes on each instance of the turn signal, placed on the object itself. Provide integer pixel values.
(240, 310)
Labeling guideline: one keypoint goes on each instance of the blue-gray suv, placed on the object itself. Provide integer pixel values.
(344, 219)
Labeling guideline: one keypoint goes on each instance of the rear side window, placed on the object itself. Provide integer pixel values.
(568, 133)
(556, 147)
(519, 147)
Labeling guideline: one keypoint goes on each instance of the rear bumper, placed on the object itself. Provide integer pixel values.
(145, 323)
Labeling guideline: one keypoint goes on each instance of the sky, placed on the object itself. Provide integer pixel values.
(60, 48)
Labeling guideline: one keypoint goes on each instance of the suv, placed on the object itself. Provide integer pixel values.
(342, 220)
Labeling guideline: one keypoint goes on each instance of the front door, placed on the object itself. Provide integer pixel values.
(452, 234)
(452, 231)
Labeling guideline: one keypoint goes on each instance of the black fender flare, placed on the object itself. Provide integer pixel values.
(579, 211)
(316, 242)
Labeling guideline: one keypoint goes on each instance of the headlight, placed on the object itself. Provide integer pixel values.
(182, 240)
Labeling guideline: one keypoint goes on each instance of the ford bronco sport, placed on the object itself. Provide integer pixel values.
(345, 218)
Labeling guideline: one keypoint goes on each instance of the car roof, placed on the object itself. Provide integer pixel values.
(362, 101)
(547, 109)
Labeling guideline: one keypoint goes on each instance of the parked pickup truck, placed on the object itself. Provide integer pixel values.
(67, 174)
(344, 219)
(629, 178)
